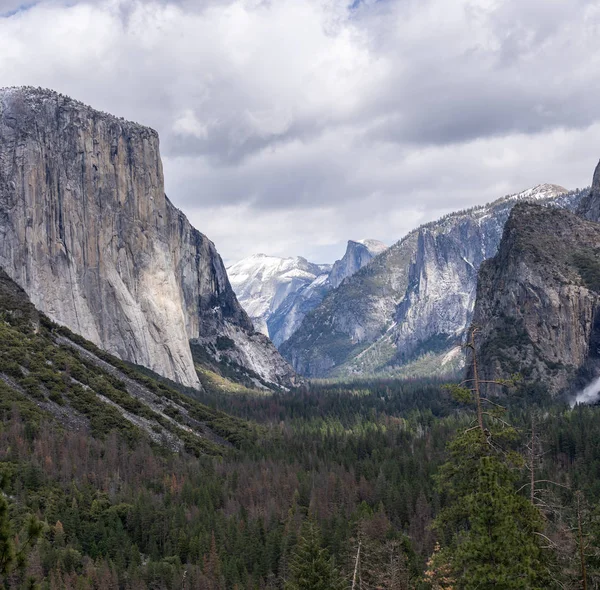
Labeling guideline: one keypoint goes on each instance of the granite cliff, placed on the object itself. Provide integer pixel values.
(87, 231)
(406, 312)
(538, 301)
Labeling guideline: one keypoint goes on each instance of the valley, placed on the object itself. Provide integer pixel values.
(153, 434)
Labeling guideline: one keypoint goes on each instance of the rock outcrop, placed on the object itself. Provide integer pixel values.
(537, 301)
(415, 300)
(358, 254)
(590, 204)
(87, 231)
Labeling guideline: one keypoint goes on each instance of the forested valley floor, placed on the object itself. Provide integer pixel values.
(362, 480)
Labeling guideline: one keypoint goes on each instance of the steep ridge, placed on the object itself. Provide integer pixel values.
(358, 254)
(89, 234)
(590, 204)
(277, 293)
(537, 301)
(414, 301)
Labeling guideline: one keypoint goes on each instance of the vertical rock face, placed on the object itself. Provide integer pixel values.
(416, 299)
(358, 254)
(537, 300)
(86, 230)
(590, 204)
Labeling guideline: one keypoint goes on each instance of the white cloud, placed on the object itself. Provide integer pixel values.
(290, 126)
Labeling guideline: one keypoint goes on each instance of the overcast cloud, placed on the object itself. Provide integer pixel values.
(290, 126)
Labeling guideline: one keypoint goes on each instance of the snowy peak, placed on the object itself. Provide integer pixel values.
(278, 292)
(263, 282)
(541, 192)
(375, 247)
(260, 268)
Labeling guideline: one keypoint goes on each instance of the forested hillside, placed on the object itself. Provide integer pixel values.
(265, 491)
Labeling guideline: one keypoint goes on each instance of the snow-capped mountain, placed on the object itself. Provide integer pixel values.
(278, 292)
(414, 301)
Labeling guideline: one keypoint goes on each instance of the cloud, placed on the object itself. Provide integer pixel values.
(290, 127)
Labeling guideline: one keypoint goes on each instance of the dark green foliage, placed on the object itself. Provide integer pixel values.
(491, 531)
(122, 511)
(311, 567)
(588, 264)
(225, 343)
(7, 546)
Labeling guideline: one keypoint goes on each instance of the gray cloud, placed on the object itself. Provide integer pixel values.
(291, 126)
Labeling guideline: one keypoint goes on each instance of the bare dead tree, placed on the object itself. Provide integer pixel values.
(355, 576)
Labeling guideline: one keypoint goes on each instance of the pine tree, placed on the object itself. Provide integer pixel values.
(311, 568)
(492, 533)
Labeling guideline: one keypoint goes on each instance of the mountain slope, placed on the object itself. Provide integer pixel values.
(89, 234)
(538, 301)
(47, 370)
(278, 292)
(414, 299)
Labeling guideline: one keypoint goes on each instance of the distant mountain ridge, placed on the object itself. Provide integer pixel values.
(408, 309)
(278, 292)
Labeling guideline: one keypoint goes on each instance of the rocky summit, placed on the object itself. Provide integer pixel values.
(88, 233)
(537, 301)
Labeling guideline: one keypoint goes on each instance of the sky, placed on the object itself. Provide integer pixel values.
(290, 126)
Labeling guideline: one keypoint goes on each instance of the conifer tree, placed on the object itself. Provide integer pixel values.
(491, 533)
(7, 547)
(311, 568)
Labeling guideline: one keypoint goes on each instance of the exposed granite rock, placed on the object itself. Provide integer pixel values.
(359, 311)
(86, 230)
(590, 204)
(537, 300)
(358, 254)
(416, 298)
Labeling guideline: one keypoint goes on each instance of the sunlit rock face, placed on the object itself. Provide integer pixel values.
(87, 231)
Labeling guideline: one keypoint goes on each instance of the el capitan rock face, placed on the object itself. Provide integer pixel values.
(86, 230)
(538, 301)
